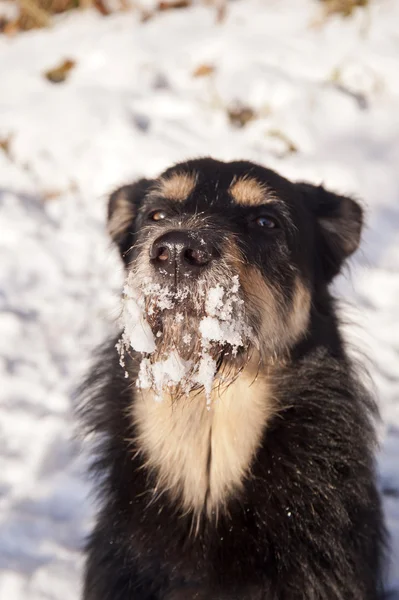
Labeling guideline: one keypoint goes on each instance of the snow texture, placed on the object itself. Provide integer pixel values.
(136, 330)
(224, 324)
(325, 96)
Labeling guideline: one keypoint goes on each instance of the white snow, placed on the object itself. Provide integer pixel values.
(159, 371)
(225, 320)
(326, 99)
(170, 371)
(214, 330)
(137, 331)
(214, 300)
(205, 375)
(162, 374)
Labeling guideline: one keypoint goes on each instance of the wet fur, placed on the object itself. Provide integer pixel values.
(299, 517)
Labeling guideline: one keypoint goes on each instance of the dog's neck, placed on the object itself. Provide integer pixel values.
(201, 454)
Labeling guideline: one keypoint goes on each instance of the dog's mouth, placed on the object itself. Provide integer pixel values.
(190, 336)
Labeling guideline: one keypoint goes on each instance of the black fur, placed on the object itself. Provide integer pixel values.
(308, 524)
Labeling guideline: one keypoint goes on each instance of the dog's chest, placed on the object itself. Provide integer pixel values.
(200, 455)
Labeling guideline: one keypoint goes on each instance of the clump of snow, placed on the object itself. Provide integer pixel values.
(214, 299)
(219, 325)
(220, 301)
(163, 373)
(206, 374)
(223, 324)
(137, 332)
(144, 378)
(212, 329)
(187, 338)
(162, 296)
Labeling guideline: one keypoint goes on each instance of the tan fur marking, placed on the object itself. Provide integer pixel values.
(121, 216)
(267, 301)
(300, 314)
(177, 187)
(177, 437)
(241, 414)
(249, 192)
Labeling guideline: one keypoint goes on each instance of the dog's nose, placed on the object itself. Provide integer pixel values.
(182, 252)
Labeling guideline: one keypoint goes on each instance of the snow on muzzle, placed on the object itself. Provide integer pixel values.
(184, 332)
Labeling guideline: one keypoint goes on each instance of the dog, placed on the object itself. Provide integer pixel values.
(255, 480)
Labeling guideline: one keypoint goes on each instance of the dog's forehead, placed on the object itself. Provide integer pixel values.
(242, 184)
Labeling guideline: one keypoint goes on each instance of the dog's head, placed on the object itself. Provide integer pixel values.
(231, 245)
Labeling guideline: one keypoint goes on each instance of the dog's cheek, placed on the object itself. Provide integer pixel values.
(279, 321)
(263, 304)
(299, 316)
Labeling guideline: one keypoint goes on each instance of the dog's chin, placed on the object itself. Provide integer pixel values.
(202, 333)
(179, 331)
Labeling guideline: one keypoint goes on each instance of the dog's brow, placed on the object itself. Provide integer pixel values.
(177, 186)
(250, 192)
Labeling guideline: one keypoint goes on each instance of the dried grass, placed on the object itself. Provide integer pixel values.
(343, 7)
(38, 13)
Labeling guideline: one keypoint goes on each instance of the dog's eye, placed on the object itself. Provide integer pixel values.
(157, 215)
(266, 222)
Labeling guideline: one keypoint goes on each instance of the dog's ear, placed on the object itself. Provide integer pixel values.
(339, 226)
(122, 210)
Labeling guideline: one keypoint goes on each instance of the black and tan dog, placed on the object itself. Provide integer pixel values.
(270, 494)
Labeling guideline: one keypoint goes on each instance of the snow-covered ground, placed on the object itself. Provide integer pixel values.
(326, 98)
